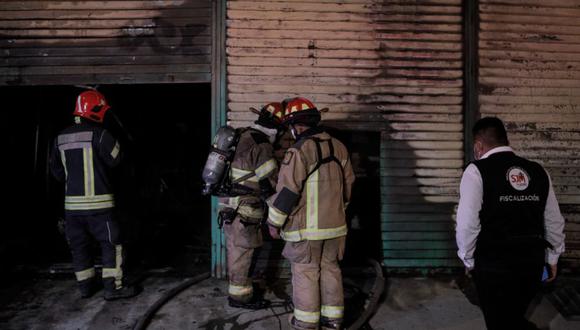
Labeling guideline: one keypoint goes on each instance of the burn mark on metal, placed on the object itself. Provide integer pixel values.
(153, 34)
(542, 37)
(486, 89)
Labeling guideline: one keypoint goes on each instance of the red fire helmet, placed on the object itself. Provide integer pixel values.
(91, 105)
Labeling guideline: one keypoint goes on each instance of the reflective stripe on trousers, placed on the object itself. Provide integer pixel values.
(308, 317)
(317, 280)
(116, 272)
(240, 290)
(85, 274)
(332, 312)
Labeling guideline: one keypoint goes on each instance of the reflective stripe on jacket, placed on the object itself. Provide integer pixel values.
(82, 156)
(312, 207)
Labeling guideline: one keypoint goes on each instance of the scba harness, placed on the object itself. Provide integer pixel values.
(322, 161)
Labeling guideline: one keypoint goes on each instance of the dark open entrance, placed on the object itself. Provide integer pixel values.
(165, 137)
(364, 211)
(364, 239)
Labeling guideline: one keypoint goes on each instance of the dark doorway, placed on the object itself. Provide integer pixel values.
(165, 134)
(364, 239)
(364, 211)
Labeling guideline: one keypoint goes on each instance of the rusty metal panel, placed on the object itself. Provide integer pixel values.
(105, 42)
(392, 66)
(529, 77)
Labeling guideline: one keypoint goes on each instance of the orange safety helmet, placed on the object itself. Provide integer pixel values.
(91, 105)
(270, 115)
(300, 110)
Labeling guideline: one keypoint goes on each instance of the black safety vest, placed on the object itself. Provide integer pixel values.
(82, 157)
(515, 191)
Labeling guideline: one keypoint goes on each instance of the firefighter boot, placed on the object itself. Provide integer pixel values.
(298, 325)
(330, 324)
(253, 304)
(88, 288)
(114, 293)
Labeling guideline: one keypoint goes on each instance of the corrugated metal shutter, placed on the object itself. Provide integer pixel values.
(530, 77)
(422, 152)
(389, 66)
(90, 42)
(326, 51)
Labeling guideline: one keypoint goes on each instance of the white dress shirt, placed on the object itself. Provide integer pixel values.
(468, 225)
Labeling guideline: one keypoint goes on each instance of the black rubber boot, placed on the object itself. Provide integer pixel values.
(254, 304)
(330, 324)
(114, 293)
(122, 293)
(297, 325)
(88, 288)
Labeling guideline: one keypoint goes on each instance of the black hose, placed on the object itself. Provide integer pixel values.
(143, 322)
(374, 295)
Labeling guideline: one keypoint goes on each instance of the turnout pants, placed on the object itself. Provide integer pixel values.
(241, 241)
(317, 290)
(505, 294)
(81, 230)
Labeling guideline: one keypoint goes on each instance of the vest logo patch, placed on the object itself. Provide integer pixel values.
(518, 178)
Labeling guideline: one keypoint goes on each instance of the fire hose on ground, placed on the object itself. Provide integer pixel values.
(143, 322)
(370, 308)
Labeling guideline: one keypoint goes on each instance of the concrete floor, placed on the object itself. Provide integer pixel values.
(409, 303)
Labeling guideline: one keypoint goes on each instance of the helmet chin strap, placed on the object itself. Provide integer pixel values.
(293, 131)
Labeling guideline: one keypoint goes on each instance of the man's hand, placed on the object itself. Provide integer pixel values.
(553, 272)
(274, 232)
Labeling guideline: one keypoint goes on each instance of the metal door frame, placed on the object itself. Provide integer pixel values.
(218, 118)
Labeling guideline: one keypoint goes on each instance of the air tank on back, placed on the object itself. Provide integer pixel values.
(223, 147)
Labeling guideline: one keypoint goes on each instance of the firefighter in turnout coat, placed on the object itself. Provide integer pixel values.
(252, 173)
(308, 212)
(82, 157)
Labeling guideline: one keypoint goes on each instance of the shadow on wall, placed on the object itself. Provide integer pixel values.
(404, 200)
(418, 190)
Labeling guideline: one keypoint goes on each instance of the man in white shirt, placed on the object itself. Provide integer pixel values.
(508, 226)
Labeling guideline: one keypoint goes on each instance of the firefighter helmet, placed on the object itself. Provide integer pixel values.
(300, 110)
(270, 116)
(91, 105)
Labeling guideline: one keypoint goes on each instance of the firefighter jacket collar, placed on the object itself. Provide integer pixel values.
(310, 132)
(87, 123)
(270, 132)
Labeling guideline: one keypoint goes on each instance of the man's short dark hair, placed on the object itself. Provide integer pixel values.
(491, 131)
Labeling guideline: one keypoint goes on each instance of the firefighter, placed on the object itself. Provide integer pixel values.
(252, 173)
(82, 157)
(508, 225)
(308, 212)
